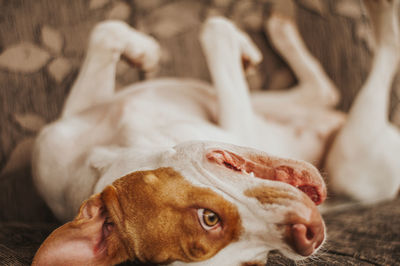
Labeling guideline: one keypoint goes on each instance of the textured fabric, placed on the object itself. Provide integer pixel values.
(19, 242)
(356, 236)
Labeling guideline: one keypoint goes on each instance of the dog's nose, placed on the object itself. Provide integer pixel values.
(307, 237)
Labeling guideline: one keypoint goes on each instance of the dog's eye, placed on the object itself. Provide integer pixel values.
(209, 220)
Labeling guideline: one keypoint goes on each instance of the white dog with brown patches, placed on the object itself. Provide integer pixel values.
(164, 185)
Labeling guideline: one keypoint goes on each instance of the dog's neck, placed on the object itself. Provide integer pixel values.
(112, 163)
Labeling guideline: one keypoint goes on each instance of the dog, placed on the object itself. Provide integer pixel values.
(176, 171)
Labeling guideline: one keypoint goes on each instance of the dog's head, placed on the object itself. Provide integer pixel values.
(208, 203)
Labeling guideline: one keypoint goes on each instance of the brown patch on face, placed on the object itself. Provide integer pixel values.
(268, 195)
(155, 213)
(253, 263)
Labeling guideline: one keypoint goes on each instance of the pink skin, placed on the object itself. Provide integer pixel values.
(266, 170)
(304, 236)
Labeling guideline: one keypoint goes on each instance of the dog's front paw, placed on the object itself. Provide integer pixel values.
(216, 28)
(118, 38)
(142, 51)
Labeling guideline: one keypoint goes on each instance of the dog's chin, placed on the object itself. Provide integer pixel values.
(290, 254)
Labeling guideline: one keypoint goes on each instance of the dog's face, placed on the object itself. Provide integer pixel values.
(208, 203)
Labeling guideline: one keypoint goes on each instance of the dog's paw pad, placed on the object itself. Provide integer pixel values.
(251, 55)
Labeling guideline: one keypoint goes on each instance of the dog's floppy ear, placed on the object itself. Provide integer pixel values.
(87, 240)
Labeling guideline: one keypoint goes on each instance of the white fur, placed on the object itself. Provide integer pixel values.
(103, 135)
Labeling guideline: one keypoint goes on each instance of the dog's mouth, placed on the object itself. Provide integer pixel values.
(298, 174)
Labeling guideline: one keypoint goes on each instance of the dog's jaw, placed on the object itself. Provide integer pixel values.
(266, 217)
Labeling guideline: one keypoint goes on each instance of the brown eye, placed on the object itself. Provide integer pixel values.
(209, 220)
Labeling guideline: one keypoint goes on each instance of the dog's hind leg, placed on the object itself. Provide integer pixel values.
(314, 86)
(364, 161)
(226, 49)
(109, 40)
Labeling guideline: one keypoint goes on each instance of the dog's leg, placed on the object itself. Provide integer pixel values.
(226, 49)
(364, 160)
(370, 109)
(108, 41)
(314, 88)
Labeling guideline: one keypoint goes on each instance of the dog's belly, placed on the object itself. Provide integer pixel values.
(163, 117)
(163, 113)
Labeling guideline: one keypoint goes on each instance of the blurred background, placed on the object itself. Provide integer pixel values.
(43, 43)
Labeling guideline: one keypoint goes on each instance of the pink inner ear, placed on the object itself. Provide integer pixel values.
(283, 170)
(80, 242)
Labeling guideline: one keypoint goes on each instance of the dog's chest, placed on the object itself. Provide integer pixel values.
(165, 118)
